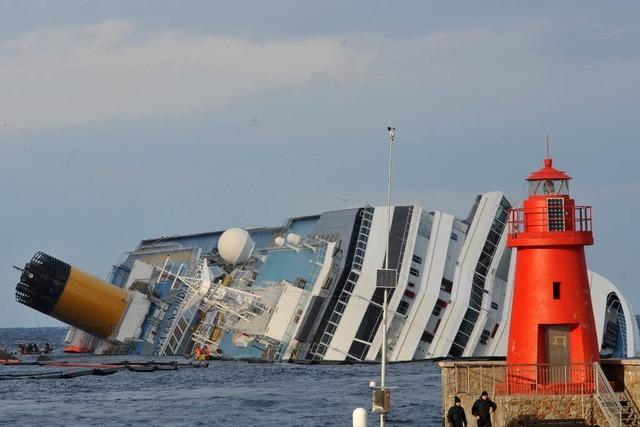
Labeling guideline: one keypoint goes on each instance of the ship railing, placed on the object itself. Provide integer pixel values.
(550, 220)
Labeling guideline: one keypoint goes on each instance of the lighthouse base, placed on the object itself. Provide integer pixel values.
(566, 401)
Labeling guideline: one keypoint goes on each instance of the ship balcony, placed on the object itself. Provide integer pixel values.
(550, 225)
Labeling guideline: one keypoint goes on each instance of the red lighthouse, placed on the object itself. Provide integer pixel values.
(551, 316)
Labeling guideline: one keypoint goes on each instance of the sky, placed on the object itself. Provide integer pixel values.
(121, 120)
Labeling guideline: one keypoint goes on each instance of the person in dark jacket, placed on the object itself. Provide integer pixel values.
(482, 410)
(456, 416)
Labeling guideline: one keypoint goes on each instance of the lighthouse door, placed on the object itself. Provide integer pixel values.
(557, 350)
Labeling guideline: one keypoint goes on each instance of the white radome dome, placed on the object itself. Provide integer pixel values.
(235, 246)
(294, 239)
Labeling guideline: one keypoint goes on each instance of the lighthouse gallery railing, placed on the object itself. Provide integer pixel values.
(544, 222)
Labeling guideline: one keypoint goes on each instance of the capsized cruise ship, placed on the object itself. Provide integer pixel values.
(307, 290)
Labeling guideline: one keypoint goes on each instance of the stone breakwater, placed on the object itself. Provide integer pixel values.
(467, 380)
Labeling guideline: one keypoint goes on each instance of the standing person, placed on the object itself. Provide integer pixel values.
(456, 416)
(482, 410)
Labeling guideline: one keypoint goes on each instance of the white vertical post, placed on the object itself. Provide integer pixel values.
(359, 417)
(384, 340)
(383, 383)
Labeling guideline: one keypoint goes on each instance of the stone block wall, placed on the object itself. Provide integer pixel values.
(514, 410)
(624, 374)
(468, 379)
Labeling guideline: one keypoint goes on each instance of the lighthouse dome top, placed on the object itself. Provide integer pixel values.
(547, 172)
(548, 180)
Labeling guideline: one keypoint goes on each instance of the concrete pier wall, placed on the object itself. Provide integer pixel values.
(468, 379)
(515, 410)
(624, 374)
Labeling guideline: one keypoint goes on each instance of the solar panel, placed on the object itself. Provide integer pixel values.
(387, 278)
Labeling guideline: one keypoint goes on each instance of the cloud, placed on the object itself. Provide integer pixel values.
(121, 70)
(115, 70)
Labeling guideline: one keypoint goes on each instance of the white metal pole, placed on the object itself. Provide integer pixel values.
(383, 382)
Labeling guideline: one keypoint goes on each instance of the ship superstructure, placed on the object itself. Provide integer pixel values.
(306, 290)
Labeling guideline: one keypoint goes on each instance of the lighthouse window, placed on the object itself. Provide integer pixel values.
(549, 186)
(556, 290)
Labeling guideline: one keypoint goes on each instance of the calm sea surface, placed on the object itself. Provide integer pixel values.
(225, 394)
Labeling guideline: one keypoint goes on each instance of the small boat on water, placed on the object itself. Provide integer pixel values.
(33, 348)
(7, 358)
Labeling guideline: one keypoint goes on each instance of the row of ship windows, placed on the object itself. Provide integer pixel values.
(454, 236)
(440, 304)
(356, 265)
(373, 315)
(403, 306)
(358, 348)
(447, 285)
(477, 289)
(484, 337)
(428, 336)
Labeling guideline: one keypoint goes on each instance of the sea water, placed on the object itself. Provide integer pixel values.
(224, 394)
